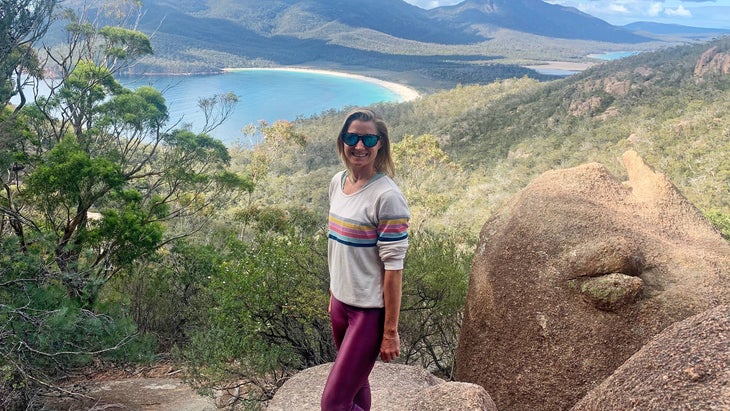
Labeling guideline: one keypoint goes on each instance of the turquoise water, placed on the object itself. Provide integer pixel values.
(556, 72)
(613, 55)
(268, 95)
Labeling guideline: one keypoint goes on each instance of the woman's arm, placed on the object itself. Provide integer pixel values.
(392, 284)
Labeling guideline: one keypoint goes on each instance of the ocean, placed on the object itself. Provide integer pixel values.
(264, 94)
(613, 55)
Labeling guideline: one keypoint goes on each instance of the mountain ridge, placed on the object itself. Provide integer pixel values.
(664, 29)
(383, 35)
(471, 42)
(535, 17)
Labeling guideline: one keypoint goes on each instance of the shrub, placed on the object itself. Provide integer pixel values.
(435, 281)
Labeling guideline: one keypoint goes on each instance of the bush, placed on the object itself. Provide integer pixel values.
(268, 317)
(435, 282)
(721, 221)
(165, 296)
(45, 334)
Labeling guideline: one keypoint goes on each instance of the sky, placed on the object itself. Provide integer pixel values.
(696, 13)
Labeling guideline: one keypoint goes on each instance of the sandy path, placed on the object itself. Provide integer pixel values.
(140, 394)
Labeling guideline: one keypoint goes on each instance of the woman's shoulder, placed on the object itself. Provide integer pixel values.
(388, 183)
(336, 181)
(388, 190)
(338, 177)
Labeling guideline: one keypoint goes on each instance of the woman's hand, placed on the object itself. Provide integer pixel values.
(390, 347)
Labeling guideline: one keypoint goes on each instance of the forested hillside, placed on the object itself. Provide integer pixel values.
(465, 150)
(126, 239)
(474, 42)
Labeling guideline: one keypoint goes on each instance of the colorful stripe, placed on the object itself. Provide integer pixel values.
(351, 233)
(393, 230)
(359, 235)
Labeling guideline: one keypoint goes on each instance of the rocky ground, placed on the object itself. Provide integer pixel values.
(156, 388)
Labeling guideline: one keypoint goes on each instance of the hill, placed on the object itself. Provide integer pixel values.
(674, 29)
(473, 42)
(493, 139)
(533, 17)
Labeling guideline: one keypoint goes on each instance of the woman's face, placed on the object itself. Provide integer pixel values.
(360, 156)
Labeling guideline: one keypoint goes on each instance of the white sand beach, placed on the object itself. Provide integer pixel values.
(406, 93)
(561, 65)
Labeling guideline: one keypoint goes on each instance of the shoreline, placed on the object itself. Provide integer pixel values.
(560, 65)
(406, 93)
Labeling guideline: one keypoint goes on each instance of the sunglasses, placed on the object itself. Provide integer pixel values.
(368, 140)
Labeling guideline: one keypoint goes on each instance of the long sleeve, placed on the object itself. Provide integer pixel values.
(393, 229)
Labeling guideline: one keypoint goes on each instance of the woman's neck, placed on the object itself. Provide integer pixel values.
(358, 175)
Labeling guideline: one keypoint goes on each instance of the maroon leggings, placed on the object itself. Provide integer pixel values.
(358, 333)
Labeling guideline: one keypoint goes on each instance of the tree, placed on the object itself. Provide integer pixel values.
(22, 24)
(268, 318)
(436, 277)
(429, 179)
(96, 182)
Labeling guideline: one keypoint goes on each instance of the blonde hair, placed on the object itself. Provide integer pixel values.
(383, 161)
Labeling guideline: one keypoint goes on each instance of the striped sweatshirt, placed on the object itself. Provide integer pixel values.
(368, 233)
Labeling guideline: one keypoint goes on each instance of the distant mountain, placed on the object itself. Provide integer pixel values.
(673, 29)
(443, 25)
(455, 44)
(534, 17)
(318, 18)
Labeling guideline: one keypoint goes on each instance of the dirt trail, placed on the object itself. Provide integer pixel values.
(152, 388)
(139, 394)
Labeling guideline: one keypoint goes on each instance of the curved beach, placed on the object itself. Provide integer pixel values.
(406, 93)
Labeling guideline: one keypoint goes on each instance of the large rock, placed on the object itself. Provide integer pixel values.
(394, 387)
(574, 274)
(685, 367)
(712, 61)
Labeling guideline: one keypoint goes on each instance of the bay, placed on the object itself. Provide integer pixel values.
(263, 94)
(613, 55)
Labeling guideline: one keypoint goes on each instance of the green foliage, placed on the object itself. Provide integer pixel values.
(45, 334)
(95, 185)
(721, 221)
(89, 83)
(142, 108)
(69, 175)
(22, 22)
(165, 294)
(124, 43)
(126, 230)
(268, 317)
(435, 282)
(428, 178)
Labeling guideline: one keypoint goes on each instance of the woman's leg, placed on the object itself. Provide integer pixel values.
(357, 333)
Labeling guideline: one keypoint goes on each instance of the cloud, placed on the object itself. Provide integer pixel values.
(655, 9)
(678, 12)
(429, 4)
(699, 13)
(617, 8)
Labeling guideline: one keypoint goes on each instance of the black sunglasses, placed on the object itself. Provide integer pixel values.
(369, 140)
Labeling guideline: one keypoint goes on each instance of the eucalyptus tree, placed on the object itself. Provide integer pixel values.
(22, 24)
(97, 178)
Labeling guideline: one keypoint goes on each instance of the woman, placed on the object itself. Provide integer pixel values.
(368, 239)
